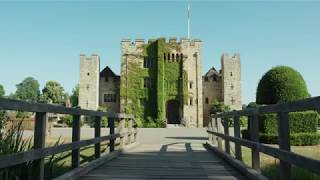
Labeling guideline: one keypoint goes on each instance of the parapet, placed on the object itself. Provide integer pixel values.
(93, 56)
(171, 40)
(235, 56)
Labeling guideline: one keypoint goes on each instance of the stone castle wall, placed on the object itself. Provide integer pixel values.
(89, 82)
(231, 77)
(109, 87)
(198, 91)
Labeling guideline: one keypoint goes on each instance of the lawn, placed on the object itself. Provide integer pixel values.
(270, 165)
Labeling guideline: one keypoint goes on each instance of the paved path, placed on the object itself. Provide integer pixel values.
(170, 154)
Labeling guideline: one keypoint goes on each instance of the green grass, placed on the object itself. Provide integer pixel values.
(270, 165)
(63, 161)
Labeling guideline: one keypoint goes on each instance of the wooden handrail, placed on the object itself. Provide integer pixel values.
(283, 153)
(39, 152)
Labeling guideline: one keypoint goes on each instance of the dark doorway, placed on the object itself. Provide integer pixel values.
(172, 113)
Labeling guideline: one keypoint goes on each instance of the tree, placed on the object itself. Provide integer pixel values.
(281, 84)
(2, 92)
(74, 98)
(53, 92)
(28, 90)
(218, 107)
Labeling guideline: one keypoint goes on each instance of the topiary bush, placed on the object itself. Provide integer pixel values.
(281, 84)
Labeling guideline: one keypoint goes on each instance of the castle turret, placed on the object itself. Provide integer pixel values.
(89, 82)
(231, 77)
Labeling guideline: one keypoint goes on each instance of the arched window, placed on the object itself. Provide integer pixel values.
(177, 57)
(181, 57)
(172, 57)
(164, 56)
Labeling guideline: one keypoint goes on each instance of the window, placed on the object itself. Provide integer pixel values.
(181, 57)
(88, 86)
(232, 100)
(191, 101)
(109, 98)
(230, 73)
(190, 85)
(177, 57)
(232, 86)
(143, 101)
(146, 83)
(206, 79)
(107, 79)
(147, 63)
(214, 78)
(207, 100)
(88, 74)
(172, 57)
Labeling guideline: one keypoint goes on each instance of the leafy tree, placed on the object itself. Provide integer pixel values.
(28, 90)
(2, 92)
(53, 92)
(74, 98)
(281, 84)
(218, 107)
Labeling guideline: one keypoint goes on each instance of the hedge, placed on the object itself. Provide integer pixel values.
(281, 84)
(296, 139)
(298, 121)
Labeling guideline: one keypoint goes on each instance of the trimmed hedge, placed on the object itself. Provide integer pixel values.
(296, 139)
(303, 128)
(298, 121)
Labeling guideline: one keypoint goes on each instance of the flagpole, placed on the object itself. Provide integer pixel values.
(188, 21)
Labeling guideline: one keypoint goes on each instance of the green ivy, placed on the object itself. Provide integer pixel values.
(168, 82)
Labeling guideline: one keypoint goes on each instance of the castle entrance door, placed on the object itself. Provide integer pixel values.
(173, 112)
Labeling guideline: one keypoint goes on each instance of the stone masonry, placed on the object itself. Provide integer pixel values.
(190, 90)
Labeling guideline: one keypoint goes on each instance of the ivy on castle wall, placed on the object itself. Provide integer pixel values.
(168, 82)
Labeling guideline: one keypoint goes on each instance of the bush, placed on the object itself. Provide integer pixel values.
(296, 139)
(298, 121)
(281, 84)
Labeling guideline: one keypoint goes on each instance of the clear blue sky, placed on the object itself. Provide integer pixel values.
(44, 39)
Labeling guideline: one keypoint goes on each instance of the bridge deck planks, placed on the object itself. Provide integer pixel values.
(172, 161)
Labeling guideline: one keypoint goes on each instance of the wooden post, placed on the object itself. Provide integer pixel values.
(97, 133)
(130, 132)
(75, 138)
(237, 135)
(111, 127)
(39, 143)
(219, 130)
(254, 136)
(226, 133)
(121, 131)
(284, 143)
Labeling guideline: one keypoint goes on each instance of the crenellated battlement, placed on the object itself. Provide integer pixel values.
(93, 56)
(235, 56)
(172, 40)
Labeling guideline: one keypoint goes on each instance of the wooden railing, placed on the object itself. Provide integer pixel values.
(219, 131)
(39, 152)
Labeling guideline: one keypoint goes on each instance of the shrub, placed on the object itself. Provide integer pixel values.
(281, 84)
(296, 139)
(298, 122)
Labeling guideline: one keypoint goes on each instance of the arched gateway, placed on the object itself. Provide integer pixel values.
(173, 112)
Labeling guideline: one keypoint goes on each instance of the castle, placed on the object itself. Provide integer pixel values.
(161, 81)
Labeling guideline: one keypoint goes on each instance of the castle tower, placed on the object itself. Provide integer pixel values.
(89, 82)
(193, 109)
(231, 80)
